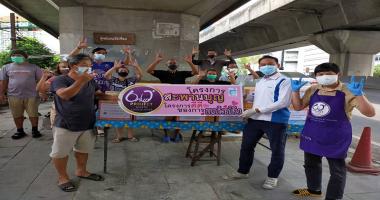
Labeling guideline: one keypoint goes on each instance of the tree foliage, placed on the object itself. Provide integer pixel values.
(38, 53)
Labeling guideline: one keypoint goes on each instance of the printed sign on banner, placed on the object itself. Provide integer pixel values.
(110, 110)
(182, 100)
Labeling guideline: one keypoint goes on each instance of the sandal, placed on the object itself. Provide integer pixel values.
(132, 139)
(68, 187)
(18, 135)
(118, 140)
(93, 177)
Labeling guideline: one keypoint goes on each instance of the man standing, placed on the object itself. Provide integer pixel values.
(74, 95)
(269, 114)
(171, 76)
(19, 79)
(211, 61)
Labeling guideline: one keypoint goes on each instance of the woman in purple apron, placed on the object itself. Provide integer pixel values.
(327, 131)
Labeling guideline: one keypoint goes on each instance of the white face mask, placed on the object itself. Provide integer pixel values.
(98, 56)
(327, 79)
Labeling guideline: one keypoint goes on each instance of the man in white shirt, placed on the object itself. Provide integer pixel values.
(269, 114)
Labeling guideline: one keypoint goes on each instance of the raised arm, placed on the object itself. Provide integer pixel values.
(117, 65)
(82, 44)
(42, 85)
(253, 73)
(195, 62)
(228, 54)
(137, 68)
(153, 65)
(194, 69)
(363, 105)
(69, 92)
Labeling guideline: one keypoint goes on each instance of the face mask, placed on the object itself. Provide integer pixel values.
(99, 56)
(268, 69)
(172, 67)
(211, 76)
(211, 56)
(18, 59)
(81, 70)
(65, 70)
(123, 74)
(327, 79)
(234, 70)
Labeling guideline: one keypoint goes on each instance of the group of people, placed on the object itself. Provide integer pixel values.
(83, 78)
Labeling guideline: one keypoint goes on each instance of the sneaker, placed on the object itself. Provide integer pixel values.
(18, 135)
(304, 192)
(270, 183)
(235, 176)
(166, 139)
(36, 134)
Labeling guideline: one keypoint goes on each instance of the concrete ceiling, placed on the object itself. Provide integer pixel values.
(290, 26)
(45, 14)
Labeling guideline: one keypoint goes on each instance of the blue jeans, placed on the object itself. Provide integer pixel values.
(252, 133)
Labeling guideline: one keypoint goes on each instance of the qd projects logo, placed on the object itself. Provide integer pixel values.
(139, 99)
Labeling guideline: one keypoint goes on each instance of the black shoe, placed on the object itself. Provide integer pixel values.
(18, 135)
(36, 134)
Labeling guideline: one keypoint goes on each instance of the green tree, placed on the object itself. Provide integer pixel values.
(38, 53)
(376, 72)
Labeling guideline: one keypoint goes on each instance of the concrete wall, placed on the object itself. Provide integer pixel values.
(78, 21)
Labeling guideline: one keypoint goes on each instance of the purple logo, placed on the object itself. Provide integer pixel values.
(140, 99)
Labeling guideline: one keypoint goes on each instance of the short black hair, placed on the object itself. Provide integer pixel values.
(73, 60)
(327, 67)
(98, 49)
(268, 57)
(212, 69)
(19, 52)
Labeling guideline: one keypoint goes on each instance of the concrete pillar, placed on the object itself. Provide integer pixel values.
(152, 28)
(353, 51)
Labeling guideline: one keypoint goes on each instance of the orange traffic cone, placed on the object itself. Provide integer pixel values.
(362, 160)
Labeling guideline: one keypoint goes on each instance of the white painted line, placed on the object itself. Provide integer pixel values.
(373, 143)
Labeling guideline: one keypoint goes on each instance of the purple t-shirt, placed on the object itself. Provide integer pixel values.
(22, 79)
(100, 69)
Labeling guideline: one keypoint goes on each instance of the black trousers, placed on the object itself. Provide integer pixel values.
(313, 171)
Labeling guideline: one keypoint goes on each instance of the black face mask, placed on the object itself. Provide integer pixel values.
(172, 67)
(211, 56)
(123, 74)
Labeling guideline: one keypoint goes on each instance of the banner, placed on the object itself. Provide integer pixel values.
(182, 100)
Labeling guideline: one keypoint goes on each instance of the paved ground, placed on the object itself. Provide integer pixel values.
(152, 170)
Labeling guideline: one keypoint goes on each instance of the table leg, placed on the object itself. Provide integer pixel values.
(192, 139)
(105, 150)
(219, 154)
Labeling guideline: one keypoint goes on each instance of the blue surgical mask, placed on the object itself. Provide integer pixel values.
(268, 69)
(81, 70)
(99, 56)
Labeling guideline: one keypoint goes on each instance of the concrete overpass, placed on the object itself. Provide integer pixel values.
(166, 25)
(347, 29)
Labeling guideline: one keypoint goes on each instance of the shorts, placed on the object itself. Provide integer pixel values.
(19, 105)
(66, 140)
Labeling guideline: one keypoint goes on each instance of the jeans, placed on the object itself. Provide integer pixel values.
(252, 133)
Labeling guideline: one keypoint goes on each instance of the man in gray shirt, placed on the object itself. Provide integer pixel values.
(19, 80)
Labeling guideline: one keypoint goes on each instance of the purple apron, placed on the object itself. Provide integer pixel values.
(327, 131)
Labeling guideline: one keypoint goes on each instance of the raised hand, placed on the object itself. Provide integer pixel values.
(127, 50)
(248, 66)
(227, 52)
(195, 50)
(356, 88)
(188, 58)
(159, 57)
(82, 44)
(117, 64)
(298, 84)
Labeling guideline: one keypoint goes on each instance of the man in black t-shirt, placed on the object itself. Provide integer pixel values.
(172, 75)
